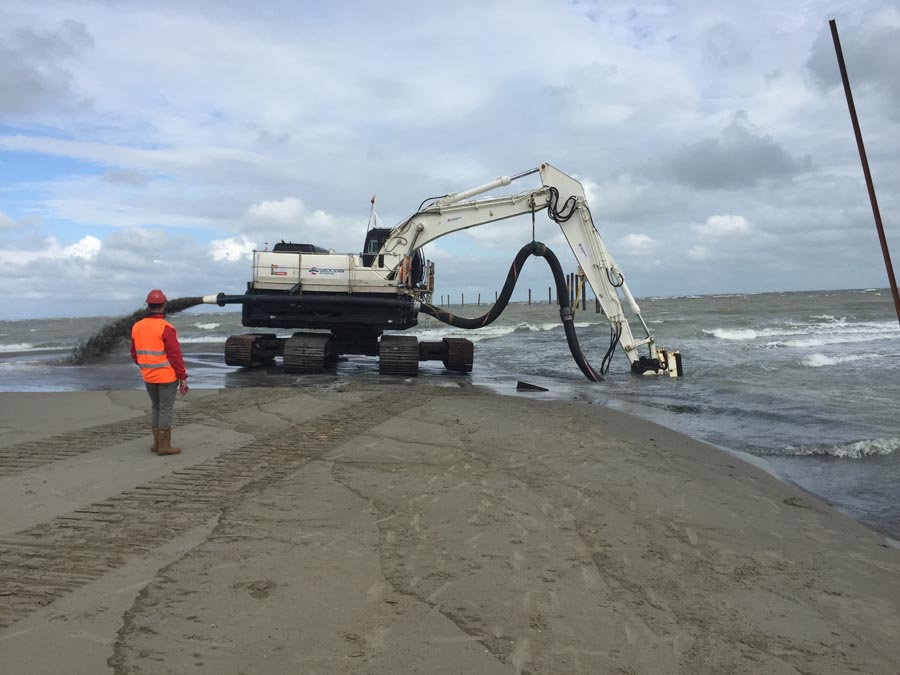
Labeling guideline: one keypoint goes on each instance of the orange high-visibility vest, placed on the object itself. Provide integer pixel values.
(151, 350)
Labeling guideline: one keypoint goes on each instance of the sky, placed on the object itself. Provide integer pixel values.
(155, 145)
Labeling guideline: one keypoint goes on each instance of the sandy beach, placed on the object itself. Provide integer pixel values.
(404, 528)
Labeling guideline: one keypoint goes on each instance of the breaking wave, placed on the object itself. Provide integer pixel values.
(733, 333)
(856, 450)
(201, 339)
(207, 326)
(826, 330)
(436, 332)
(17, 347)
(751, 333)
(820, 360)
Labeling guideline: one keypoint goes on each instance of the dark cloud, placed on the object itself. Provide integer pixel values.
(871, 54)
(32, 75)
(737, 158)
(125, 177)
(723, 45)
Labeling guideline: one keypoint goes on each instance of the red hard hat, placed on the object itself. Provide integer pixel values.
(156, 297)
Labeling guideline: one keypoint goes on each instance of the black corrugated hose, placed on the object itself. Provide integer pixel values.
(566, 313)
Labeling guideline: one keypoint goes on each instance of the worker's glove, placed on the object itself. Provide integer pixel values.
(183, 387)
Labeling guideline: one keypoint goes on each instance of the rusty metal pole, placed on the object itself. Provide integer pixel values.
(865, 166)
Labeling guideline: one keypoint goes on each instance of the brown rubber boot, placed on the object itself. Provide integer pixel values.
(165, 443)
(155, 447)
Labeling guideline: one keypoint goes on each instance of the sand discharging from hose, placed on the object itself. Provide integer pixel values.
(104, 341)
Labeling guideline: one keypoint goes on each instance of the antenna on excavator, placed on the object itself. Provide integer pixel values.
(373, 217)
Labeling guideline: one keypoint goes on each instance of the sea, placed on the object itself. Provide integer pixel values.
(805, 385)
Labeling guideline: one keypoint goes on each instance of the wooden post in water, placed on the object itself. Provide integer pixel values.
(479, 300)
(529, 296)
(462, 299)
(549, 295)
(865, 165)
(495, 296)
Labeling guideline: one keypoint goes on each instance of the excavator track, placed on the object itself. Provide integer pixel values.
(398, 355)
(309, 352)
(251, 350)
(460, 355)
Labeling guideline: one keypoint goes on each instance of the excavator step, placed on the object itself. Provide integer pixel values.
(398, 355)
(251, 350)
(309, 352)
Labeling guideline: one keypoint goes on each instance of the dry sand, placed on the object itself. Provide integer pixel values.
(403, 528)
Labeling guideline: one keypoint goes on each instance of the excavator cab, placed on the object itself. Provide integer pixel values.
(375, 239)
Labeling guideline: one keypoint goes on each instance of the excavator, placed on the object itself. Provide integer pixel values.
(344, 303)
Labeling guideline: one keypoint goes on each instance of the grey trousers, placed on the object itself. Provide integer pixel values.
(163, 398)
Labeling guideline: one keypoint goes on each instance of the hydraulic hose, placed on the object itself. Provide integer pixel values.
(566, 313)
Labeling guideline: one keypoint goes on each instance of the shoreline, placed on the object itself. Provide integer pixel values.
(405, 527)
(120, 369)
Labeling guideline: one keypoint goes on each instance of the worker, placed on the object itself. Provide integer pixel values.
(155, 349)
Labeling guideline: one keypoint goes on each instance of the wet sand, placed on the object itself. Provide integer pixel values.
(396, 527)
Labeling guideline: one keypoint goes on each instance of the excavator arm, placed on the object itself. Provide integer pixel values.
(563, 196)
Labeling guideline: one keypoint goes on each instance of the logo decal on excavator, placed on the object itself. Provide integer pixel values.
(275, 272)
(326, 271)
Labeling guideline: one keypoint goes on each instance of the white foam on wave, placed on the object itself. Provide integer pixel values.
(207, 338)
(733, 333)
(17, 347)
(856, 450)
(818, 360)
(207, 326)
(490, 331)
(827, 330)
(828, 340)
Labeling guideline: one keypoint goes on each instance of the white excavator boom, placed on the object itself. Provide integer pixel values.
(561, 193)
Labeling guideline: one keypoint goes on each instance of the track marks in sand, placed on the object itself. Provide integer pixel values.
(22, 457)
(47, 561)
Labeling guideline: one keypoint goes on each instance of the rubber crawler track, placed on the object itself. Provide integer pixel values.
(43, 563)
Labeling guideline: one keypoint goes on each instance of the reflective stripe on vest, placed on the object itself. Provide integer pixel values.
(150, 350)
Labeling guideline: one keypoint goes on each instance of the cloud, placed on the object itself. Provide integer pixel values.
(86, 250)
(178, 132)
(232, 249)
(287, 211)
(637, 244)
(737, 158)
(6, 223)
(699, 253)
(125, 177)
(32, 71)
(871, 52)
(723, 226)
